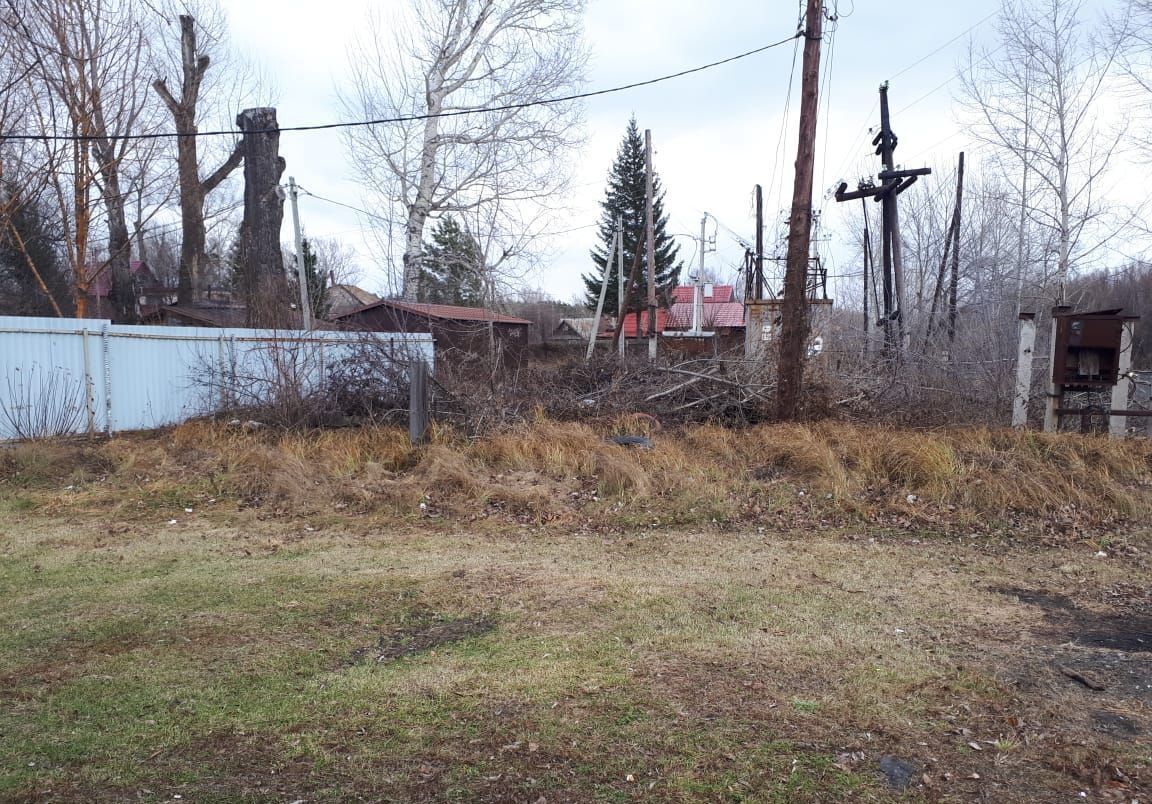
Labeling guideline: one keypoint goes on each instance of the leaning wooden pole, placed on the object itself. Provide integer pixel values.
(954, 285)
(794, 308)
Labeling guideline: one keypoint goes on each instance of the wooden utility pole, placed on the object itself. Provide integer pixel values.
(759, 243)
(892, 183)
(265, 287)
(651, 245)
(955, 279)
(633, 279)
(886, 142)
(951, 248)
(794, 309)
(867, 261)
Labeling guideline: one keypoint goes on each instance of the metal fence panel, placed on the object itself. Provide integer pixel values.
(62, 376)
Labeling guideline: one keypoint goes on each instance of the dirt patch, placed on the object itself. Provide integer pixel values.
(1123, 631)
(1116, 724)
(421, 638)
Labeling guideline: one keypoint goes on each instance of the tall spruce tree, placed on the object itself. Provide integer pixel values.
(625, 197)
(453, 266)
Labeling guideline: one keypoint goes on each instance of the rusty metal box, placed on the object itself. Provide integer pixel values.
(1087, 348)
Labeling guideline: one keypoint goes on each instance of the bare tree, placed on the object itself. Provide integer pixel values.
(336, 259)
(202, 45)
(87, 61)
(1034, 97)
(466, 67)
(1131, 31)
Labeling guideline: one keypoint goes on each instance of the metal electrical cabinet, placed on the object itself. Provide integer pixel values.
(1087, 353)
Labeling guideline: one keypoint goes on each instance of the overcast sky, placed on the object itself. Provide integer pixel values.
(716, 133)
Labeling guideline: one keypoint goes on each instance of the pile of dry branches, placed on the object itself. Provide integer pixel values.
(726, 389)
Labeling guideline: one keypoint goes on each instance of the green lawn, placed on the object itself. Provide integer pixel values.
(232, 659)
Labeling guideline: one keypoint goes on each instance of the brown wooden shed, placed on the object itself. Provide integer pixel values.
(457, 331)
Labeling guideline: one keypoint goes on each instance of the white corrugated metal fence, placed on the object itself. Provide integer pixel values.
(62, 375)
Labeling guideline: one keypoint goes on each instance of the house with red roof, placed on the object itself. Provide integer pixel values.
(457, 331)
(720, 314)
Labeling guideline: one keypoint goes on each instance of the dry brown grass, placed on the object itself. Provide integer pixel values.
(552, 470)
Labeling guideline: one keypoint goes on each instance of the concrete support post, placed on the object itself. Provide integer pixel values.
(1118, 425)
(1055, 394)
(1024, 370)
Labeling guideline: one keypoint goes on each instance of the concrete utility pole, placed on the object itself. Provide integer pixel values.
(301, 271)
(603, 293)
(1118, 425)
(265, 288)
(697, 297)
(794, 307)
(651, 245)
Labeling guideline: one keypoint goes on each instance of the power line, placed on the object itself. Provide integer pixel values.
(966, 31)
(921, 60)
(410, 118)
(382, 219)
(778, 154)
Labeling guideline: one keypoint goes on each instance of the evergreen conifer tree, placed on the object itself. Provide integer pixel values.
(453, 266)
(318, 292)
(625, 197)
(28, 235)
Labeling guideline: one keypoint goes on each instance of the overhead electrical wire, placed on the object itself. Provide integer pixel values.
(410, 118)
(868, 118)
(381, 218)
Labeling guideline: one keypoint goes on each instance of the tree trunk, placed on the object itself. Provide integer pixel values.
(421, 206)
(192, 190)
(121, 293)
(265, 286)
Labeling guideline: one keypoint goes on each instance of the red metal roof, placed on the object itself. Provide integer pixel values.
(447, 312)
(720, 293)
(629, 324)
(715, 316)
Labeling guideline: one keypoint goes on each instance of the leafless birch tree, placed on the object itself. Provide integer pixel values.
(1035, 97)
(462, 67)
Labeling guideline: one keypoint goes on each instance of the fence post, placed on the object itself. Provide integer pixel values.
(417, 400)
(107, 359)
(1054, 397)
(89, 386)
(1024, 370)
